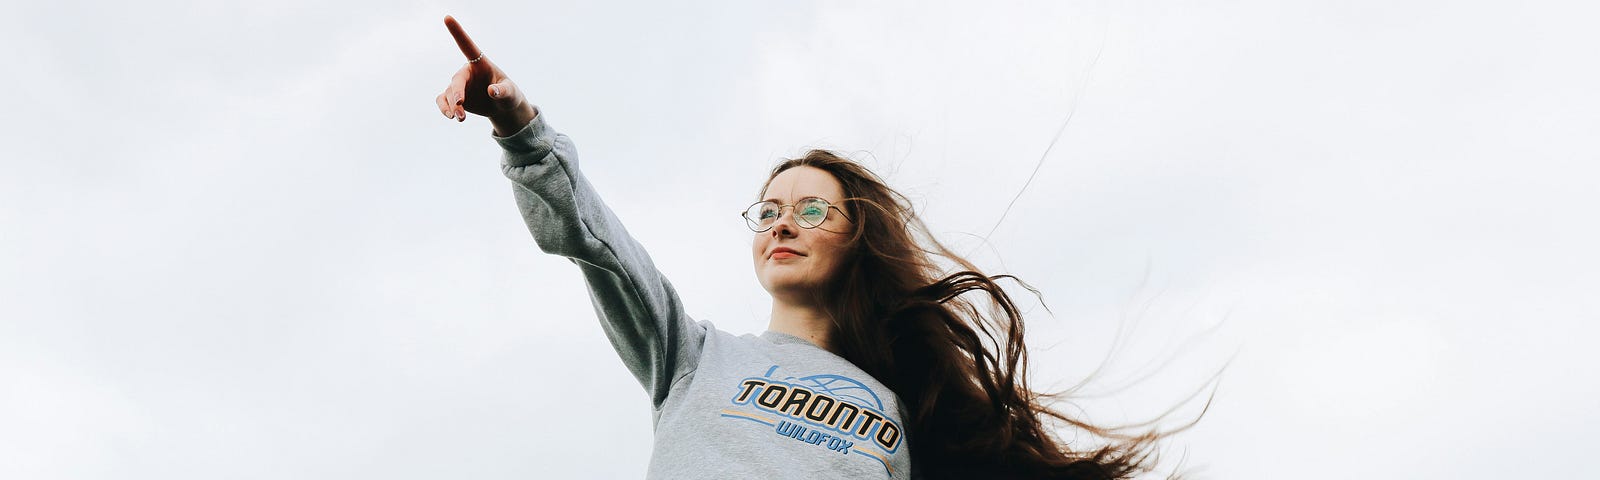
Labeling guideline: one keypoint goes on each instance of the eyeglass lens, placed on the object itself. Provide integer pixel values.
(809, 213)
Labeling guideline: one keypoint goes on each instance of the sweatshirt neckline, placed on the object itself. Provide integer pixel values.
(778, 338)
(787, 339)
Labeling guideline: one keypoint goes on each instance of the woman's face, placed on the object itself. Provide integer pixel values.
(817, 251)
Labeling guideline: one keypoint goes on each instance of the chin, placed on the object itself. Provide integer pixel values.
(785, 283)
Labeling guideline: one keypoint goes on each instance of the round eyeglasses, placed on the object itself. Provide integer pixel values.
(809, 212)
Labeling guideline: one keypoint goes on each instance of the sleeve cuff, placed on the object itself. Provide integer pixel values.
(532, 142)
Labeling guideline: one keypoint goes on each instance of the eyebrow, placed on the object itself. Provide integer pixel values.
(777, 200)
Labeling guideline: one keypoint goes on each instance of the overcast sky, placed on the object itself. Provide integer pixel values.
(241, 242)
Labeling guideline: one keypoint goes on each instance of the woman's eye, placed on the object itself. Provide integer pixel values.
(813, 211)
(769, 213)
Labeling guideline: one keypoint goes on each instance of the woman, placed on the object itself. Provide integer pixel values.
(871, 354)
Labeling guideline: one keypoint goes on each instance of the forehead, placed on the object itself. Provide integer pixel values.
(801, 182)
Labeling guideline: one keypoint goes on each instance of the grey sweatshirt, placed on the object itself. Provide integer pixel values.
(725, 406)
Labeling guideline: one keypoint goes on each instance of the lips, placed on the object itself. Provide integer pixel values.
(784, 252)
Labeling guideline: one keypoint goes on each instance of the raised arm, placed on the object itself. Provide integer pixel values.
(639, 310)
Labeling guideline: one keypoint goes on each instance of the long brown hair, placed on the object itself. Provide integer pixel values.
(960, 372)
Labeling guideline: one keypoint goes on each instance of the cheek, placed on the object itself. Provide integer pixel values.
(835, 249)
(757, 246)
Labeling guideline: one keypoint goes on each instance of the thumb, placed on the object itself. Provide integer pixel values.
(504, 93)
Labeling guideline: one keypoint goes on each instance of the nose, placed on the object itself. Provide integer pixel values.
(784, 226)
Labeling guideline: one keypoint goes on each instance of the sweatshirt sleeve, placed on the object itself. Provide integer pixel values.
(638, 309)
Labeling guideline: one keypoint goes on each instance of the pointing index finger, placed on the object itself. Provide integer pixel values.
(462, 40)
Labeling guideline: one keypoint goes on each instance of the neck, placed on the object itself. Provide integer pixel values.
(804, 321)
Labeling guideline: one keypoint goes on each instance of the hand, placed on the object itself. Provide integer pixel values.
(482, 88)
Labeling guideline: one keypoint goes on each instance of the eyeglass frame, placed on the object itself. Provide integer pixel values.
(751, 222)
